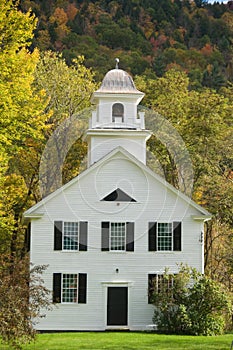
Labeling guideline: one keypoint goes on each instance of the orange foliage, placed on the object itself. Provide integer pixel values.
(172, 41)
(59, 16)
(71, 12)
(207, 50)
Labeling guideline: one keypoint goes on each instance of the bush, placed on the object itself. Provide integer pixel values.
(192, 304)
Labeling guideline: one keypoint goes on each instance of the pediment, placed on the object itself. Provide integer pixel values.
(118, 153)
(118, 196)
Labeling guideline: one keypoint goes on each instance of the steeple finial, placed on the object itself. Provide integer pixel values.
(117, 61)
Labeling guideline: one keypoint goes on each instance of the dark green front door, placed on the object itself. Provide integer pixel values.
(117, 306)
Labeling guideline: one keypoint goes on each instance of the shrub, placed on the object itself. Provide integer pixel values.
(192, 304)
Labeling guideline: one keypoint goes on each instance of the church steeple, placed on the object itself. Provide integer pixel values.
(116, 121)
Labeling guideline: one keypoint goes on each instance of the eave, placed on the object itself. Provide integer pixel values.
(29, 216)
(201, 217)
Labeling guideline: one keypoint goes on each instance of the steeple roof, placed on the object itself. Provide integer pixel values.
(118, 81)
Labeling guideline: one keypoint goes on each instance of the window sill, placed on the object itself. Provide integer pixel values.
(166, 251)
(117, 251)
(70, 251)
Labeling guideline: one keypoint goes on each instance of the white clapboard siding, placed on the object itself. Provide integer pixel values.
(82, 202)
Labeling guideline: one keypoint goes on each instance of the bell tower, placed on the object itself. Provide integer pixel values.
(116, 122)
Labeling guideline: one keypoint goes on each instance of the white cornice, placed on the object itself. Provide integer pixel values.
(118, 132)
(201, 217)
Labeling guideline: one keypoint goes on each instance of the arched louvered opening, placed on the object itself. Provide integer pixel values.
(118, 112)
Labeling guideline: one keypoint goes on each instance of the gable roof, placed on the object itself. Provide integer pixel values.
(118, 196)
(33, 212)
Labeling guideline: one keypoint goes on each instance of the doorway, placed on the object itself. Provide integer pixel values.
(117, 306)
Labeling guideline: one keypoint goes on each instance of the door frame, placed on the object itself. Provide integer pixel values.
(105, 302)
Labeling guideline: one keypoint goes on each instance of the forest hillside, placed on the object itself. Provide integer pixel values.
(149, 36)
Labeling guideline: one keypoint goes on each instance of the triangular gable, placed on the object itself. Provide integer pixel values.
(121, 152)
(118, 196)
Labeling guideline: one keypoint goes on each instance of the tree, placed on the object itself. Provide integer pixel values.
(189, 303)
(169, 97)
(212, 77)
(17, 65)
(69, 89)
(21, 114)
(18, 311)
(203, 120)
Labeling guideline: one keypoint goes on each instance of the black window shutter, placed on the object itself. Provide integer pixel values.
(28, 237)
(57, 235)
(82, 288)
(130, 236)
(152, 241)
(57, 287)
(151, 287)
(105, 236)
(83, 236)
(177, 236)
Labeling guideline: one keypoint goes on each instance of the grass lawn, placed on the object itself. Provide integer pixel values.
(126, 341)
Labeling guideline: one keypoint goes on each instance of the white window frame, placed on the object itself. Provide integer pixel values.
(63, 236)
(110, 237)
(69, 289)
(157, 238)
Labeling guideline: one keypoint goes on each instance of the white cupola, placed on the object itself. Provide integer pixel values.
(116, 122)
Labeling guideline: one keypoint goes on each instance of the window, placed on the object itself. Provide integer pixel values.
(118, 112)
(70, 236)
(70, 288)
(117, 236)
(158, 283)
(164, 236)
(164, 283)
(118, 196)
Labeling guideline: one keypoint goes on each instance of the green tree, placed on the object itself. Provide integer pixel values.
(212, 77)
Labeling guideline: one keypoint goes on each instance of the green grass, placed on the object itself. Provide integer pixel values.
(126, 341)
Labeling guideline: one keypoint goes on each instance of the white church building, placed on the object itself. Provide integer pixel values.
(110, 230)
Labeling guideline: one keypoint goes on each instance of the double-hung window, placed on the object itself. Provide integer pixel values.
(165, 236)
(70, 235)
(158, 283)
(117, 236)
(70, 288)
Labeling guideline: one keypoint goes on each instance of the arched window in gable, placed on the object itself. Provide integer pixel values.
(118, 112)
